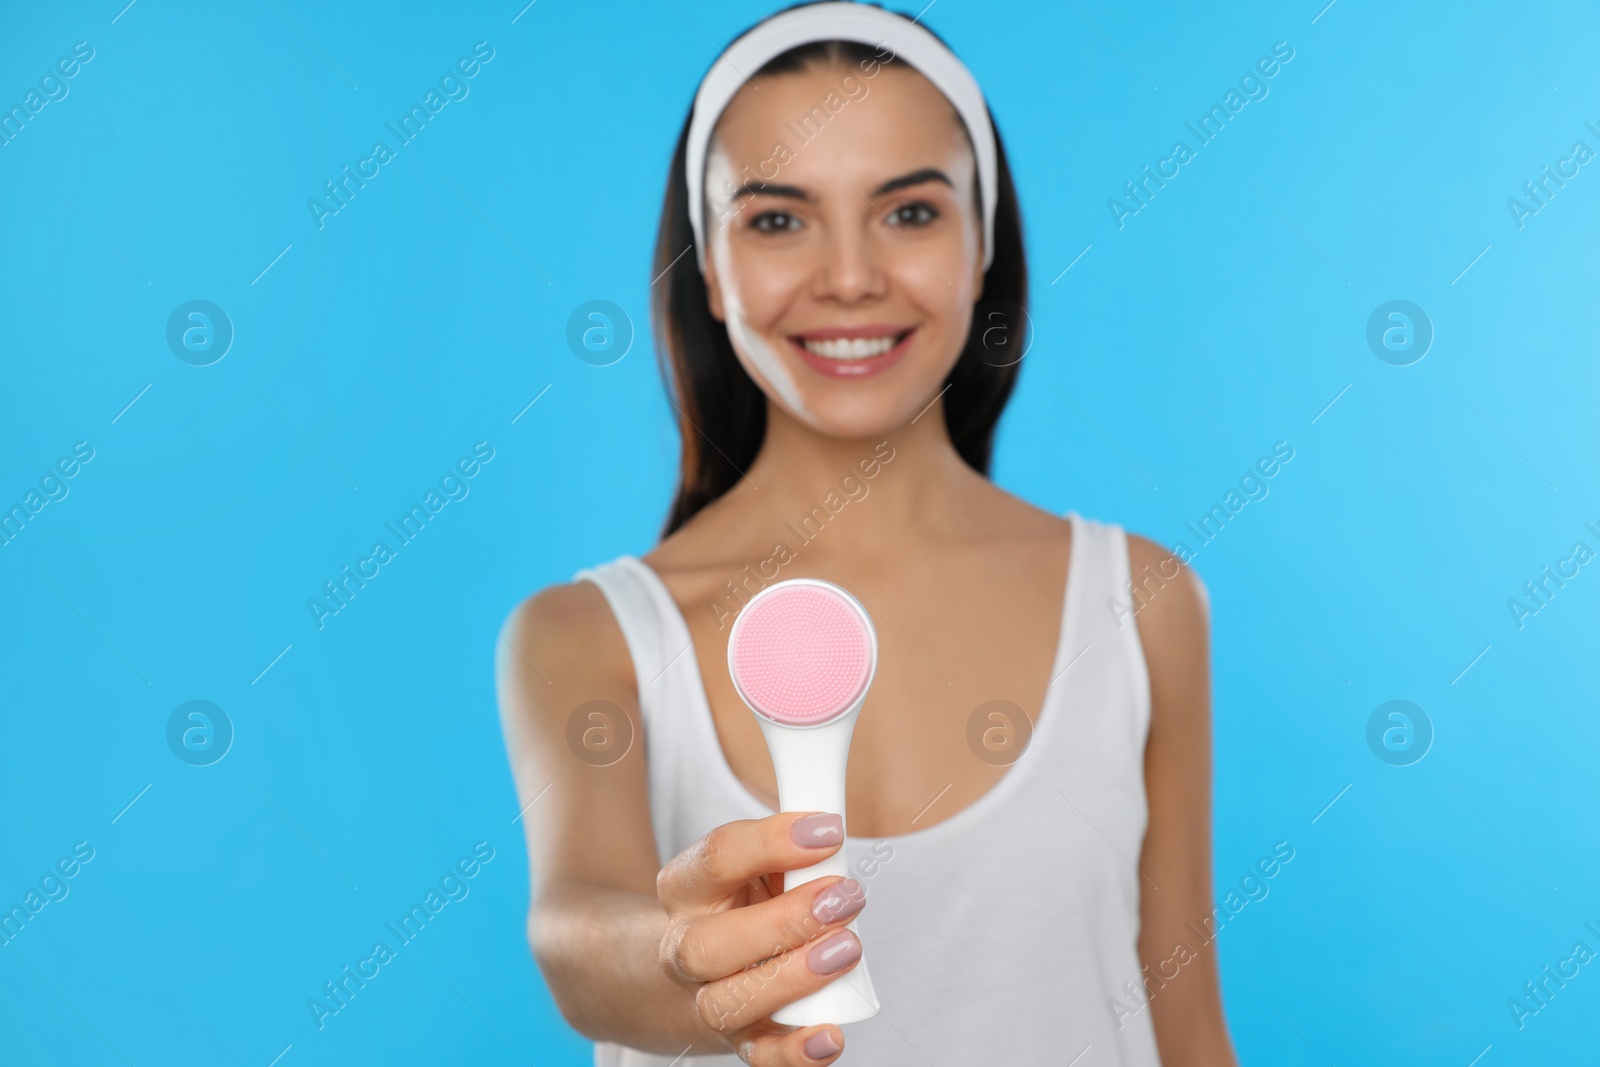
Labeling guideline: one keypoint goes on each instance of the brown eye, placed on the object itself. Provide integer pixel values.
(919, 213)
(775, 222)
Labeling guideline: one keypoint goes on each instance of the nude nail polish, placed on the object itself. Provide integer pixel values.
(834, 954)
(839, 902)
(815, 831)
(821, 1045)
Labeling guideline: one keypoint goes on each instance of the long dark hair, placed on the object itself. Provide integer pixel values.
(722, 413)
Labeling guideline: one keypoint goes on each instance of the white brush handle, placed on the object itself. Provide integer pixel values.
(810, 764)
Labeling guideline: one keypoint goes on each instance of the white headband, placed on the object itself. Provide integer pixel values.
(842, 21)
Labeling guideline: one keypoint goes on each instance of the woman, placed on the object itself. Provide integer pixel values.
(1028, 786)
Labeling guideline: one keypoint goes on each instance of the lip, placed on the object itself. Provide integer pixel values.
(851, 368)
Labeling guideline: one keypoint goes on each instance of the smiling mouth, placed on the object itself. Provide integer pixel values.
(851, 349)
(854, 353)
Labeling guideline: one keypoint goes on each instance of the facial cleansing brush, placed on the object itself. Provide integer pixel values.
(802, 655)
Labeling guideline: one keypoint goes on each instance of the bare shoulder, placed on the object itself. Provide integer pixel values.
(565, 638)
(1170, 589)
(558, 607)
(1172, 609)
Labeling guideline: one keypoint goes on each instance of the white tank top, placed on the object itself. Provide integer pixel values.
(1005, 934)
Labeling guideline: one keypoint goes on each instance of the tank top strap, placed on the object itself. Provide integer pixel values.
(1103, 612)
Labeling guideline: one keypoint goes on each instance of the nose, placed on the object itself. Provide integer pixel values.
(851, 268)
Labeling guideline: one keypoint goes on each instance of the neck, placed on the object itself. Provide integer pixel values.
(864, 495)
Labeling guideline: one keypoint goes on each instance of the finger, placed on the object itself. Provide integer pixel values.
(766, 1045)
(735, 854)
(725, 942)
(732, 1003)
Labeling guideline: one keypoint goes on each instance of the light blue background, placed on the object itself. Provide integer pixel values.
(426, 315)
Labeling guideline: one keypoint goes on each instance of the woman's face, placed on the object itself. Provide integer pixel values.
(845, 250)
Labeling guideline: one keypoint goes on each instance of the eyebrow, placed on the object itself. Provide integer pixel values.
(794, 192)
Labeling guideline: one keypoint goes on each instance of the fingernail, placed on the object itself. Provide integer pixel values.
(815, 831)
(839, 901)
(821, 1045)
(834, 954)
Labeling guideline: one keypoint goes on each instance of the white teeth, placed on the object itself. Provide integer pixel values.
(856, 348)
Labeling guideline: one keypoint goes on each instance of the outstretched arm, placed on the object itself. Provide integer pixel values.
(594, 922)
(687, 958)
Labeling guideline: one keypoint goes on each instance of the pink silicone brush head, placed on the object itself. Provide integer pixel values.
(802, 652)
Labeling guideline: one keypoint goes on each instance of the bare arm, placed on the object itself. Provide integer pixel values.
(662, 959)
(1176, 936)
(594, 921)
